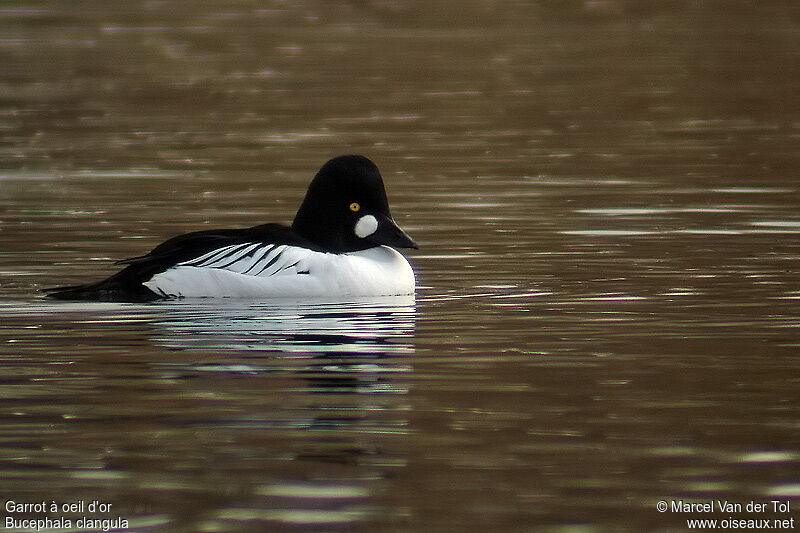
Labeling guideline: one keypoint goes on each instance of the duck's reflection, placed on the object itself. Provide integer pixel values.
(343, 360)
(350, 346)
(374, 327)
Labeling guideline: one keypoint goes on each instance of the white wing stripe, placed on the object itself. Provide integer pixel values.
(271, 264)
(244, 264)
(263, 257)
(229, 260)
(204, 259)
(251, 259)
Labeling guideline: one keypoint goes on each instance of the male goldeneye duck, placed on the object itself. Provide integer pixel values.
(341, 243)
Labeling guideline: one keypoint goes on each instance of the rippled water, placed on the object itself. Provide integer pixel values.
(605, 196)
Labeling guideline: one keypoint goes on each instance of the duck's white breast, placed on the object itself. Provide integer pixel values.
(253, 270)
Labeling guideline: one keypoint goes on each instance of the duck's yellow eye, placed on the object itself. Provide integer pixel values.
(354, 207)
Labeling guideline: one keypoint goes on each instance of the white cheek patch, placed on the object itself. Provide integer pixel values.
(366, 226)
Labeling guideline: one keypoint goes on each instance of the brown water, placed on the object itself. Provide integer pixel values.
(606, 199)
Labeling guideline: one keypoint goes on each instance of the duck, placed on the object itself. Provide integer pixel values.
(343, 242)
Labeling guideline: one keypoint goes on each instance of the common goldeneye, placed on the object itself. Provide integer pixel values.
(341, 243)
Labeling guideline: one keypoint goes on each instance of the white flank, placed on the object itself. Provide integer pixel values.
(263, 270)
(366, 226)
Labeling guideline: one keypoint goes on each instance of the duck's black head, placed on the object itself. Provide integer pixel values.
(346, 210)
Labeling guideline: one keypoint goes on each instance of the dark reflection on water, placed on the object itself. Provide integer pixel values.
(606, 200)
(373, 326)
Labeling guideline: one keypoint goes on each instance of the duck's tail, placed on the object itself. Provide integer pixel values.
(114, 289)
(89, 291)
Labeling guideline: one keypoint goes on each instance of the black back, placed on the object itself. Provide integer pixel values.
(126, 285)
